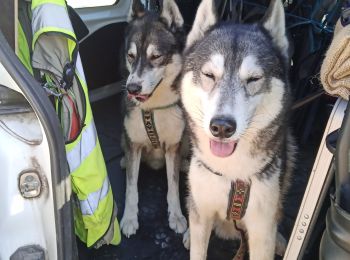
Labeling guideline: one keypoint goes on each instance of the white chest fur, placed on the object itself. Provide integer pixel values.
(169, 124)
(210, 192)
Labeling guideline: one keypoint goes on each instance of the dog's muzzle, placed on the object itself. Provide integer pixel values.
(222, 128)
(134, 91)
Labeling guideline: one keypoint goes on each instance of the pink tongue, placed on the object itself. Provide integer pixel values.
(222, 149)
(141, 98)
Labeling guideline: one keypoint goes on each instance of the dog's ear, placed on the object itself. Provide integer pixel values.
(274, 22)
(171, 14)
(137, 10)
(206, 18)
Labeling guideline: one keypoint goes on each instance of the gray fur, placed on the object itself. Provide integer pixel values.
(137, 10)
(271, 150)
(154, 43)
(205, 19)
(164, 30)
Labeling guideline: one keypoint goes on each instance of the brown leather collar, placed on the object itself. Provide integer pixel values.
(238, 199)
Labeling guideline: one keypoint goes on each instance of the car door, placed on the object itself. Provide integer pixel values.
(36, 216)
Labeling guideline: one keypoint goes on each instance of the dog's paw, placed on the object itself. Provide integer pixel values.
(281, 244)
(122, 163)
(186, 239)
(129, 226)
(177, 223)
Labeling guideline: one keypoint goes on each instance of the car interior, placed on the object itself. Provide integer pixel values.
(100, 30)
(102, 55)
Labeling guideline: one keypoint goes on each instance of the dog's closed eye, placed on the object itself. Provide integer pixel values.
(253, 79)
(209, 75)
(131, 56)
(155, 57)
(252, 84)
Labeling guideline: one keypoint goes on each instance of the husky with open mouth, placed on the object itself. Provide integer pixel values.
(154, 123)
(235, 93)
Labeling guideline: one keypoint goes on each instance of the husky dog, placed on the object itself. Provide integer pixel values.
(154, 43)
(235, 94)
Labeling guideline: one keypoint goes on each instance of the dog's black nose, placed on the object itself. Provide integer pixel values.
(222, 127)
(134, 88)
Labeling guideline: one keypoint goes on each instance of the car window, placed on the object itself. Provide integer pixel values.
(90, 3)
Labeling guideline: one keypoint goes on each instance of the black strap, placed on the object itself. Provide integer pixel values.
(68, 75)
(345, 14)
(150, 127)
(69, 69)
(79, 27)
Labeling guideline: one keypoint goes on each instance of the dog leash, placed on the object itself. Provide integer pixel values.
(236, 208)
(150, 126)
(243, 245)
(238, 202)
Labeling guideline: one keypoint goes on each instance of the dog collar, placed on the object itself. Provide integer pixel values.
(148, 121)
(150, 126)
(236, 208)
(238, 199)
(238, 196)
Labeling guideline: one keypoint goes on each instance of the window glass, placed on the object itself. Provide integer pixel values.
(90, 3)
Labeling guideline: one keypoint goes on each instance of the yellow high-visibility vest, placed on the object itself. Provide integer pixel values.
(94, 211)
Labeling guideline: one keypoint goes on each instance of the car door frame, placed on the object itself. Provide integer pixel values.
(38, 100)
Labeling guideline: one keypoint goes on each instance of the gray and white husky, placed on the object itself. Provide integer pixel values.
(154, 43)
(235, 94)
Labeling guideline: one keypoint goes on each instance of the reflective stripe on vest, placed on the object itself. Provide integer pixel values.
(83, 148)
(50, 16)
(89, 206)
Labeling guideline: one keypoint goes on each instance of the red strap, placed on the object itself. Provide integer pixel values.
(75, 121)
